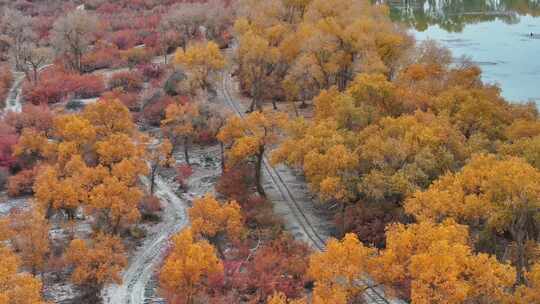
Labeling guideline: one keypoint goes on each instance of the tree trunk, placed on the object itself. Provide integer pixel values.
(517, 230)
(342, 228)
(186, 150)
(222, 154)
(153, 172)
(295, 108)
(252, 106)
(49, 212)
(258, 175)
(35, 75)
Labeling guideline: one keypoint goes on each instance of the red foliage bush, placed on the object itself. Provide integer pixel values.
(154, 109)
(128, 81)
(38, 117)
(136, 56)
(235, 183)
(8, 139)
(130, 100)
(183, 172)
(369, 222)
(125, 39)
(280, 266)
(56, 85)
(6, 79)
(150, 71)
(22, 182)
(102, 57)
(150, 204)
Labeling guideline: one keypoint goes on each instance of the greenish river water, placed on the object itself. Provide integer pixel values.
(494, 34)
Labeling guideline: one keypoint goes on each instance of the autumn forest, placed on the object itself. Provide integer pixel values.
(256, 151)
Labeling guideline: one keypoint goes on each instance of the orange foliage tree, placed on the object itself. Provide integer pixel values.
(181, 125)
(502, 195)
(15, 287)
(92, 160)
(96, 263)
(202, 60)
(433, 263)
(249, 137)
(29, 233)
(213, 220)
(188, 267)
(337, 270)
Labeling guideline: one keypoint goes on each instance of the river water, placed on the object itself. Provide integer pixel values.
(493, 33)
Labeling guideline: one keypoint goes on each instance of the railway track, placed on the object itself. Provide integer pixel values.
(371, 294)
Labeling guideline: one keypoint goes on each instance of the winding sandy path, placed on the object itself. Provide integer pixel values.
(145, 260)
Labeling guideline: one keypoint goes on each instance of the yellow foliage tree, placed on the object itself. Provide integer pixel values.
(249, 137)
(528, 293)
(20, 288)
(30, 238)
(188, 267)
(501, 194)
(211, 219)
(337, 270)
(257, 59)
(93, 160)
(280, 298)
(201, 61)
(96, 263)
(432, 263)
(181, 125)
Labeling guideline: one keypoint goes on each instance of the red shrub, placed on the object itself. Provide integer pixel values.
(102, 57)
(38, 117)
(108, 8)
(136, 56)
(22, 182)
(183, 172)
(128, 81)
(235, 183)
(281, 266)
(125, 39)
(8, 139)
(6, 79)
(150, 71)
(150, 204)
(130, 100)
(369, 222)
(56, 85)
(154, 110)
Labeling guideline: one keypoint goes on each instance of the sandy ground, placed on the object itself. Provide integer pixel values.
(139, 279)
(287, 190)
(291, 198)
(12, 102)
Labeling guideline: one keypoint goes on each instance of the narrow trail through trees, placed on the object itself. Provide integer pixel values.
(13, 99)
(309, 232)
(143, 264)
(12, 103)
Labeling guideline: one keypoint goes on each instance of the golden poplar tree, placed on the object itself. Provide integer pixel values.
(250, 137)
(188, 266)
(16, 287)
